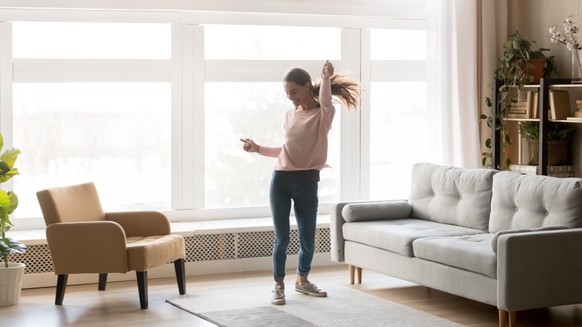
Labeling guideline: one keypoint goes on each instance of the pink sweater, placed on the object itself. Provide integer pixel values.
(306, 132)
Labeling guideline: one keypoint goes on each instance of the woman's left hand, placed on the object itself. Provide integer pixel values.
(327, 70)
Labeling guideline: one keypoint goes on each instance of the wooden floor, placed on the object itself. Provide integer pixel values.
(119, 304)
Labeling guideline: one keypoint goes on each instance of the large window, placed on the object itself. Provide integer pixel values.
(398, 110)
(114, 134)
(153, 113)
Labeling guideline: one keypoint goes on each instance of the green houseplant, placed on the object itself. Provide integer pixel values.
(10, 273)
(515, 71)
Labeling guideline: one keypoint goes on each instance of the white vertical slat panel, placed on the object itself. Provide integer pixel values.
(365, 115)
(350, 122)
(176, 120)
(196, 117)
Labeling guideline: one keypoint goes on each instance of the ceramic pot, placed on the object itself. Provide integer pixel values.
(10, 283)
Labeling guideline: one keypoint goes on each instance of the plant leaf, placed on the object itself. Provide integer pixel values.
(10, 156)
(10, 246)
(8, 175)
(13, 202)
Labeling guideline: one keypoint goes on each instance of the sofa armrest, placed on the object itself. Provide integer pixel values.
(538, 270)
(87, 247)
(141, 223)
(337, 220)
(335, 229)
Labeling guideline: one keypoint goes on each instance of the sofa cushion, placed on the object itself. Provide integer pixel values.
(397, 235)
(468, 252)
(379, 210)
(531, 201)
(451, 195)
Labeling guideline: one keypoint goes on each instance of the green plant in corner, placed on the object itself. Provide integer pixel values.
(8, 203)
(514, 72)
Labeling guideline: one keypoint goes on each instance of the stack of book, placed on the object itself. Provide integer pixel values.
(518, 110)
(555, 171)
(519, 105)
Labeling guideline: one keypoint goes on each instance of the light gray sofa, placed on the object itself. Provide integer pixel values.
(509, 240)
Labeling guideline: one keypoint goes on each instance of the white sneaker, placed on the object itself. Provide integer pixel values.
(278, 295)
(309, 289)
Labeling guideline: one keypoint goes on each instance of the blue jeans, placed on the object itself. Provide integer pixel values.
(285, 189)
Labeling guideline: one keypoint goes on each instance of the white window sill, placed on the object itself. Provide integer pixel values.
(189, 228)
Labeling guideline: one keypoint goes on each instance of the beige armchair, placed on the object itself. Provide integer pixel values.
(83, 239)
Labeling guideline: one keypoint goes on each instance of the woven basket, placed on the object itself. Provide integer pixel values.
(557, 152)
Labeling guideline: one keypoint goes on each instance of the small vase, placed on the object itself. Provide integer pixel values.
(576, 66)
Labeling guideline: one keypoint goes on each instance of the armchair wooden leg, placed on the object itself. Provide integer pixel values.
(142, 286)
(180, 275)
(359, 274)
(61, 287)
(352, 270)
(102, 281)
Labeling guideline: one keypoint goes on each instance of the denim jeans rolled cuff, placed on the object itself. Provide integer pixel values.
(287, 190)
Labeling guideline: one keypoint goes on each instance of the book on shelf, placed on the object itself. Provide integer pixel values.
(559, 104)
(574, 118)
(533, 104)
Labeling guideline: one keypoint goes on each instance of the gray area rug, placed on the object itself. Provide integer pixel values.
(344, 306)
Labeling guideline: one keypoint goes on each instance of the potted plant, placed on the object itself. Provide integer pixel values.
(516, 70)
(558, 135)
(10, 273)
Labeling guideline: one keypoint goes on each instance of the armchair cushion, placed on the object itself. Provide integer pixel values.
(147, 252)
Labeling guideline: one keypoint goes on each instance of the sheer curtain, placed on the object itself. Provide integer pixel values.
(461, 37)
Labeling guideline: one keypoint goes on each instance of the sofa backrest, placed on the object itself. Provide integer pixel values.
(531, 201)
(451, 195)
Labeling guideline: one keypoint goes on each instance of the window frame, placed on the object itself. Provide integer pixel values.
(182, 71)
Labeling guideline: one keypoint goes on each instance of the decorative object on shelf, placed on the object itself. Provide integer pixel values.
(578, 113)
(558, 136)
(568, 38)
(10, 273)
(514, 73)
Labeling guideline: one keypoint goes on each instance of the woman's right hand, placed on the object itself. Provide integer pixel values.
(249, 145)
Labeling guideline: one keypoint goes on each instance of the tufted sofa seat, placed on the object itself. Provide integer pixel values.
(502, 238)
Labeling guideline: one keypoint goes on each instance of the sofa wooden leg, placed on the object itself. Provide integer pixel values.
(502, 318)
(61, 287)
(102, 281)
(507, 317)
(352, 270)
(512, 319)
(359, 274)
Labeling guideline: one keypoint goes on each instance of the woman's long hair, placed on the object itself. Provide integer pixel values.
(347, 90)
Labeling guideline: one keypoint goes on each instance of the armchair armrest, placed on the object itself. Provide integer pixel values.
(539, 269)
(141, 223)
(87, 247)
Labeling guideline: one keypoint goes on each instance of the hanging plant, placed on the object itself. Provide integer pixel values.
(514, 73)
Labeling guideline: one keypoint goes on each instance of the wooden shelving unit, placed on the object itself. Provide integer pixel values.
(544, 104)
